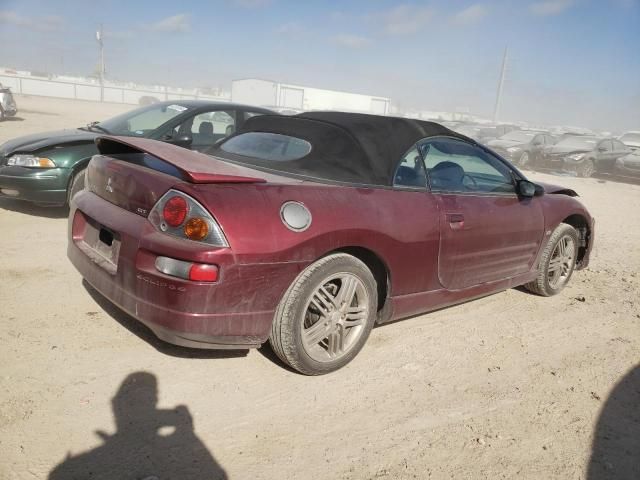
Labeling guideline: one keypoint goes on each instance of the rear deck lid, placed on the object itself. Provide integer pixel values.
(134, 173)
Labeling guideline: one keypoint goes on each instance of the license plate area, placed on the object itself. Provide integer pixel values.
(99, 243)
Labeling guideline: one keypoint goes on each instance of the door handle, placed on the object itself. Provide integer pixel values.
(456, 221)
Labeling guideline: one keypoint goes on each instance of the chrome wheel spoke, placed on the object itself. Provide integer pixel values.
(316, 333)
(335, 342)
(323, 301)
(355, 316)
(555, 264)
(347, 291)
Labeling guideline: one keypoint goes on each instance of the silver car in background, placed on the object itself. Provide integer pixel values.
(8, 106)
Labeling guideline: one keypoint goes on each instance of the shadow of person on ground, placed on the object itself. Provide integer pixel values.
(616, 445)
(149, 443)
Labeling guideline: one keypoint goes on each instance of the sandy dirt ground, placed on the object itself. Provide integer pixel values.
(509, 386)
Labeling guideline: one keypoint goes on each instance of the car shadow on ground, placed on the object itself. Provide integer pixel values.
(144, 333)
(615, 451)
(149, 443)
(13, 119)
(32, 209)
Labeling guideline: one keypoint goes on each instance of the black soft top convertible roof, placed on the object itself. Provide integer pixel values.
(353, 148)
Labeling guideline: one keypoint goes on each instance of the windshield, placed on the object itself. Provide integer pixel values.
(586, 143)
(630, 137)
(519, 136)
(142, 121)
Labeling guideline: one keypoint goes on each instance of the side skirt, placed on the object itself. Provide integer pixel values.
(418, 303)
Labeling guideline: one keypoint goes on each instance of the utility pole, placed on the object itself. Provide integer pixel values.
(496, 109)
(99, 38)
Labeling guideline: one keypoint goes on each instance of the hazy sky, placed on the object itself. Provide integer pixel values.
(573, 62)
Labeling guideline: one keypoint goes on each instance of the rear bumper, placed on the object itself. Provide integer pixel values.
(34, 185)
(235, 312)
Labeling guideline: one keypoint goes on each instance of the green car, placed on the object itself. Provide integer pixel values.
(48, 168)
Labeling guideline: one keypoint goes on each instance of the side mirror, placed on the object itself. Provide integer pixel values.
(181, 141)
(602, 149)
(529, 189)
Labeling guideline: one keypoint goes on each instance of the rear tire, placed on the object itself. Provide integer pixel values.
(557, 262)
(326, 315)
(76, 184)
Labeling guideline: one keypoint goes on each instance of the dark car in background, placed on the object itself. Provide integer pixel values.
(47, 168)
(586, 155)
(522, 147)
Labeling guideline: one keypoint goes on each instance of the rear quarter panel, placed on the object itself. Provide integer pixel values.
(401, 227)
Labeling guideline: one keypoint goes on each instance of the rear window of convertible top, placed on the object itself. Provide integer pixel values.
(267, 146)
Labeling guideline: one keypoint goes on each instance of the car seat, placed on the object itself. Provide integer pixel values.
(447, 176)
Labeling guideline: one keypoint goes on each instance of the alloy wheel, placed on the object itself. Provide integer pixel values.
(561, 262)
(335, 317)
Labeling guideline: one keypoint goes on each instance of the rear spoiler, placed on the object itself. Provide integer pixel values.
(197, 167)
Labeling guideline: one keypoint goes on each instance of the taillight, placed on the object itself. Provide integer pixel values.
(197, 272)
(175, 211)
(196, 228)
(178, 214)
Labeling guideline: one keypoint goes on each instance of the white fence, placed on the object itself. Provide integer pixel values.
(28, 85)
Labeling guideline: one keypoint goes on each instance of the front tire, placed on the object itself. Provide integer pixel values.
(524, 160)
(587, 169)
(326, 315)
(557, 262)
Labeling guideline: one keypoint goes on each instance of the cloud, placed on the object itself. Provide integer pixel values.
(48, 23)
(404, 19)
(291, 28)
(350, 41)
(550, 7)
(470, 15)
(180, 23)
(251, 3)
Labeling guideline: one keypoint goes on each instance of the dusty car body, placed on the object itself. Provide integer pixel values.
(584, 155)
(523, 147)
(628, 165)
(320, 225)
(631, 139)
(47, 168)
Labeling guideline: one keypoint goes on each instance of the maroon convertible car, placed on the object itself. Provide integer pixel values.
(308, 230)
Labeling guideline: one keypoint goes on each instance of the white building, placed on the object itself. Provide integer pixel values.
(266, 93)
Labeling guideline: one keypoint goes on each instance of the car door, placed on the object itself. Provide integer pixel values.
(487, 233)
